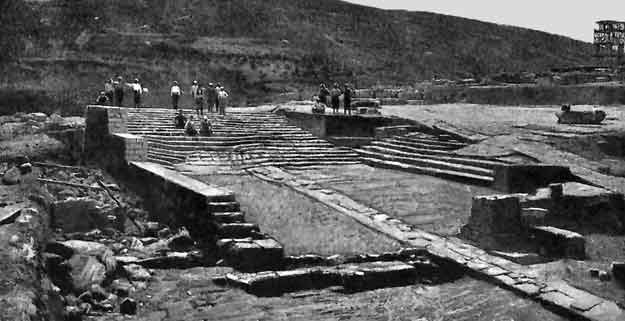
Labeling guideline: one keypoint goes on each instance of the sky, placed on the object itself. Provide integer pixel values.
(572, 18)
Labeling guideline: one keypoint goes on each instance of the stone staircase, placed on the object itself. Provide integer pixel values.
(431, 155)
(239, 140)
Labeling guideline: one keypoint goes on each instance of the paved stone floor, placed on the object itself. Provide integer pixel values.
(191, 295)
(429, 203)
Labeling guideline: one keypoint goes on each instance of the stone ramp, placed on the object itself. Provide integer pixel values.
(240, 140)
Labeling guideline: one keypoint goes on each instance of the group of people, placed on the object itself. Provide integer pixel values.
(181, 122)
(215, 97)
(114, 89)
(332, 97)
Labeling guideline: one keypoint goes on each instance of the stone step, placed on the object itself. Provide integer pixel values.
(449, 174)
(251, 255)
(438, 137)
(229, 217)
(431, 141)
(451, 158)
(415, 150)
(238, 230)
(428, 163)
(404, 142)
(223, 207)
(244, 139)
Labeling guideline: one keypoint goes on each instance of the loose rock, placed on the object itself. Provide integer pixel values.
(136, 272)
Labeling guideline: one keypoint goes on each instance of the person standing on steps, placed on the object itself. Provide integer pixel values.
(335, 93)
(216, 93)
(222, 98)
(199, 101)
(210, 97)
(323, 94)
(118, 90)
(109, 91)
(175, 93)
(347, 99)
(194, 89)
(137, 91)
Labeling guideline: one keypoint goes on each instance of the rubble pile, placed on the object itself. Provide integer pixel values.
(34, 123)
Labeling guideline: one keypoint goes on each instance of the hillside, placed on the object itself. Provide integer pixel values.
(261, 48)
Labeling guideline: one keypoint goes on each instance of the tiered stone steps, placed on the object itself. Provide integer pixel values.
(239, 139)
(431, 155)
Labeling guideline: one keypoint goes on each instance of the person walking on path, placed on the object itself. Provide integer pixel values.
(211, 97)
(175, 93)
(335, 94)
(118, 91)
(347, 99)
(137, 91)
(109, 90)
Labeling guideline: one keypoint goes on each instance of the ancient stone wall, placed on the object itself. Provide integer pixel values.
(107, 141)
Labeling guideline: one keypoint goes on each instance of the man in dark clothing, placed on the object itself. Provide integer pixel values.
(180, 120)
(323, 94)
(206, 129)
(118, 91)
(102, 98)
(335, 94)
(347, 100)
(189, 127)
(216, 92)
(211, 97)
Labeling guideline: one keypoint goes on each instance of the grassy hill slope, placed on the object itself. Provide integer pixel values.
(262, 48)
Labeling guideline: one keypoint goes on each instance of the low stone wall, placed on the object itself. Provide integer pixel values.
(342, 125)
(529, 95)
(175, 199)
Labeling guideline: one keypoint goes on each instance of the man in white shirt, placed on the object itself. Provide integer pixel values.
(137, 90)
(176, 92)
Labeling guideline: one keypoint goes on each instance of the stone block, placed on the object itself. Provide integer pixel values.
(618, 270)
(78, 215)
(229, 217)
(491, 216)
(223, 207)
(557, 242)
(533, 216)
(238, 230)
(377, 274)
(521, 258)
(248, 254)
